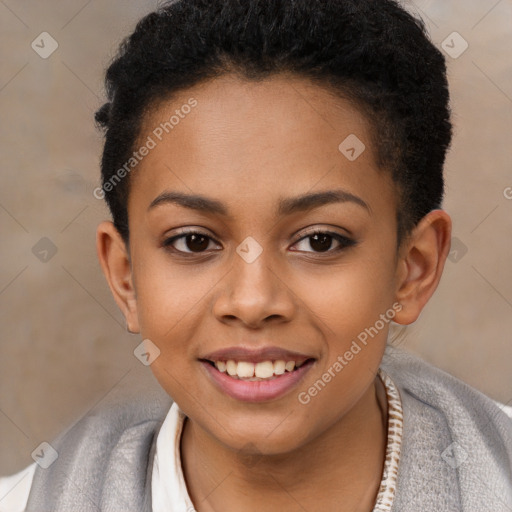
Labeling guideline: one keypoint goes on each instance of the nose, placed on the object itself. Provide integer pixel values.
(254, 294)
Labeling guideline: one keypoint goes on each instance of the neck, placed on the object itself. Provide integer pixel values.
(343, 465)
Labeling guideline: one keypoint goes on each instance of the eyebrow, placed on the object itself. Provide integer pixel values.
(286, 206)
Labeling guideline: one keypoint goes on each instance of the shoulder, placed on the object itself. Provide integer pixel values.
(103, 456)
(435, 387)
(457, 442)
(14, 489)
(507, 409)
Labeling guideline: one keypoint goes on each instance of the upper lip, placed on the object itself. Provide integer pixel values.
(254, 355)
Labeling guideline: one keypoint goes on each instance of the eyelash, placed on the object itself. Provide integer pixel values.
(344, 242)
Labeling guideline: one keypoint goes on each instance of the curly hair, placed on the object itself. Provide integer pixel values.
(372, 52)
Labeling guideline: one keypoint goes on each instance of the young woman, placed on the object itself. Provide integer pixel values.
(274, 169)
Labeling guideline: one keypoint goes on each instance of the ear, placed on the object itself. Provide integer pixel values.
(421, 264)
(115, 262)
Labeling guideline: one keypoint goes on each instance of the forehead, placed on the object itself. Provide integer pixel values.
(250, 141)
(233, 109)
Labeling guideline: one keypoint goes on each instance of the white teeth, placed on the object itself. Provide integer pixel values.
(245, 369)
(279, 367)
(290, 365)
(252, 372)
(231, 367)
(264, 370)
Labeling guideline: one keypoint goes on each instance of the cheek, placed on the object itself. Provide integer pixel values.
(351, 297)
(168, 304)
(167, 294)
(354, 306)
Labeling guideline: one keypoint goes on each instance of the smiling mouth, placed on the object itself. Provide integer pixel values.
(254, 372)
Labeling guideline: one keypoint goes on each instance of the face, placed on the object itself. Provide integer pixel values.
(290, 256)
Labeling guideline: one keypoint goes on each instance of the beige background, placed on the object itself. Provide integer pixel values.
(63, 342)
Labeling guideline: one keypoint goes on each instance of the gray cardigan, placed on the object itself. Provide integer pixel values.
(456, 450)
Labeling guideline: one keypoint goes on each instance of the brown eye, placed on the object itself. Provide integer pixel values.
(322, 241)
(188, 243)
(196, 243)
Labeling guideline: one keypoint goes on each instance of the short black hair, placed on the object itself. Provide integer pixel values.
(373, 52)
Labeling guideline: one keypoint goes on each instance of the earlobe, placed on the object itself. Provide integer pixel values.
(421, 264)
(115, 263)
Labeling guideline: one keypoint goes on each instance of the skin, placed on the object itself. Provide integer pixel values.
(248, 145)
